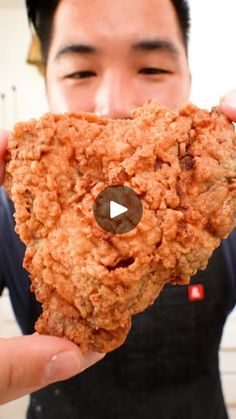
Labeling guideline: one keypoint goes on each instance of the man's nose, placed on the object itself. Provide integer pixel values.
(115, 97)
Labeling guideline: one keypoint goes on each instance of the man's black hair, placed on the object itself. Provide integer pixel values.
(41, 13)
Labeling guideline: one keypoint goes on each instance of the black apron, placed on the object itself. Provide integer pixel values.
(167, 369)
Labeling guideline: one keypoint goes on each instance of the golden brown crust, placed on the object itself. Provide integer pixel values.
(182, 165)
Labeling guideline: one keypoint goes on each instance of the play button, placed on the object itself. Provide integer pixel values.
(118, 209)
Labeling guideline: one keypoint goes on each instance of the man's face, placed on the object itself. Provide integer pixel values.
(108, 57)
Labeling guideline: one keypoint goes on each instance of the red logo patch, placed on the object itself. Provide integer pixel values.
(196, 292)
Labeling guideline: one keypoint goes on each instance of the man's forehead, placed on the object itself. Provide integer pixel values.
(84, 24)
(112, 15)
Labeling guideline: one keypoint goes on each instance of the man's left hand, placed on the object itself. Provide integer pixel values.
(228, 105)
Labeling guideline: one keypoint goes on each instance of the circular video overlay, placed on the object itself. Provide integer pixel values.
(118, 209)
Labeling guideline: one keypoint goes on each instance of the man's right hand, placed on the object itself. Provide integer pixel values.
(3, 149)
(29, 363)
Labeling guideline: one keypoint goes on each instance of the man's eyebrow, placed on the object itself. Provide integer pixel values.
(75, 49)
(143, 45)
(156, 44)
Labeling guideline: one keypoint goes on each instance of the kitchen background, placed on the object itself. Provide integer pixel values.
(213, 65)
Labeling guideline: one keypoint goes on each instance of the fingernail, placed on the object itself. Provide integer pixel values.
(230, 99)
(62, 366)
(91, 358)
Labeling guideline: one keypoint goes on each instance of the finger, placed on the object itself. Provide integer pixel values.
(228, 105)
(3, 149)
(29, 363)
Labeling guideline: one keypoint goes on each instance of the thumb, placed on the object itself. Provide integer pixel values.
(228, 105)
(29, 363)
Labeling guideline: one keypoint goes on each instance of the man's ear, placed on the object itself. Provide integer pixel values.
(189, 83)
(190, 80)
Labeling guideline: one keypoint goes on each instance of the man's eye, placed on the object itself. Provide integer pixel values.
(153, 70)
(80, 75)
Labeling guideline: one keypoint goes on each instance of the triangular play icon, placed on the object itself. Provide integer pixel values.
(116, 209)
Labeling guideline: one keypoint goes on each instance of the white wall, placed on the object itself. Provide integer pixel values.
(14, 44)
(212, 49)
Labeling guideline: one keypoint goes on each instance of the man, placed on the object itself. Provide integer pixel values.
(109, 57)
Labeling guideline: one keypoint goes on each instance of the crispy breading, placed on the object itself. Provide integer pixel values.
(90, 282)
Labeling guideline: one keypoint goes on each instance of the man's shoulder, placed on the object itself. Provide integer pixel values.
(229, 245)
(3, 197)
(229, 251)
(9, 240)
(5, 201)
(6, 210)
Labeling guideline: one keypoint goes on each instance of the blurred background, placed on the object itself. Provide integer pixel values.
(22, 96)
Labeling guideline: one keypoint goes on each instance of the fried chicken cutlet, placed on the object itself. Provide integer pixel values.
(91, 282)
